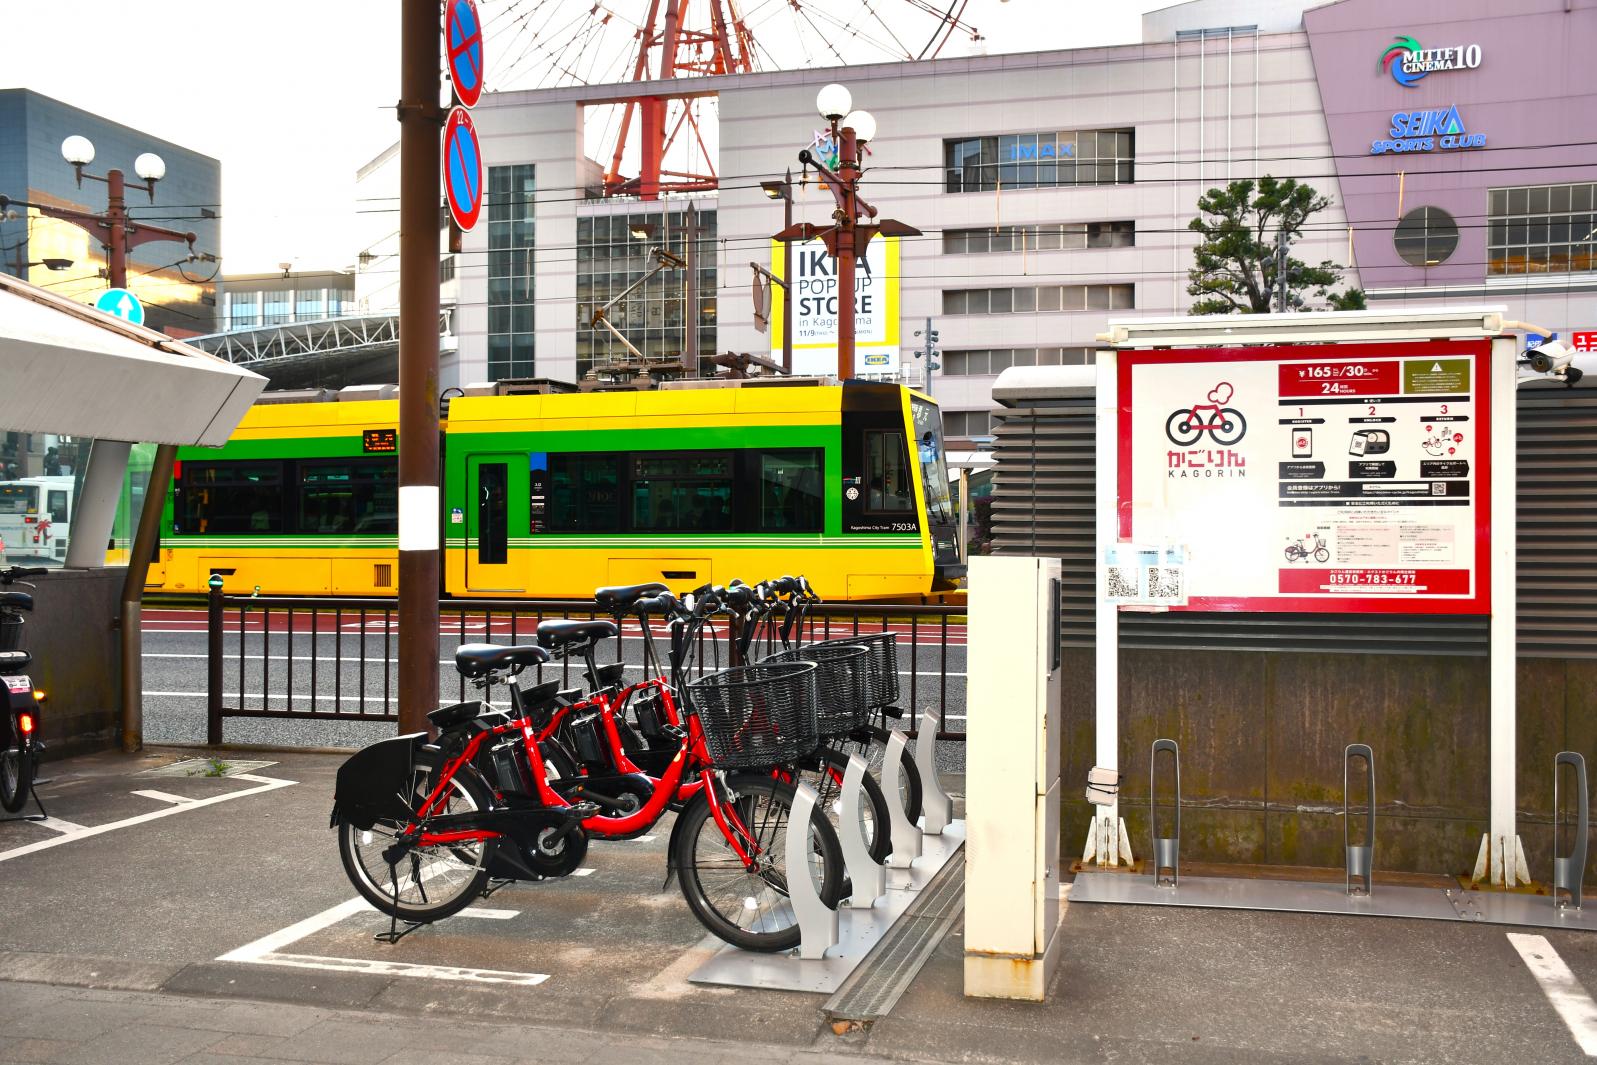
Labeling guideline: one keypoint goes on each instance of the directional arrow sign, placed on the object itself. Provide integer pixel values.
(122, 304)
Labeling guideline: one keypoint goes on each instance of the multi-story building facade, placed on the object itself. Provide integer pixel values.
(254, 300)
(1054, 189)
(181, 299)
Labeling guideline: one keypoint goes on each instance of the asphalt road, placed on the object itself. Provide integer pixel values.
(333, 662)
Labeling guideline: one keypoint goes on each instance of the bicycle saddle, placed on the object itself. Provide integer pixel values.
(15, 660)
(556, 634)
(24, 600)
(622, 596)
(479, 659)
(447, 717)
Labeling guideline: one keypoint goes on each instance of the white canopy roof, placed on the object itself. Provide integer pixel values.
(66, 368)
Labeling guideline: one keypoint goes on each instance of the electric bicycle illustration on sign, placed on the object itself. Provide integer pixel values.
(1297, 552)
(1225, 425)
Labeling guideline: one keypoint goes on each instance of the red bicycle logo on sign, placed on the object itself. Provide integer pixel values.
(1224, 424)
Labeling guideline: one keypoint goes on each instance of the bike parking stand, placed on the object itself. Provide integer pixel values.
(1166, 849)
(1361, 857)
(935, 805)
(394, 933)
(869, 878)
(817, 921)
(906, 836)
(33, 790)
(1570, 869)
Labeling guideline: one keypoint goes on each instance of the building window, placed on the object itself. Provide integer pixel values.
(967, 423)
(1426, 236)
(1549, 229)
(510, 271)
(980, 362)
(610, 258)
(1054, 236)
(1040, 160)
(310, 304)
(279, 307)
(243, 310)
(1036, 298)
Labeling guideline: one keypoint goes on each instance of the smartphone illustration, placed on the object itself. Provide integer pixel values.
(1302, 443)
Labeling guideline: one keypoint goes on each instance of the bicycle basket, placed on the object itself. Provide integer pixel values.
(756, 716)
(10, 632)
(842, 682)
(883, 663)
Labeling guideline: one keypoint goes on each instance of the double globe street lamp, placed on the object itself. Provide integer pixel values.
(853, 225)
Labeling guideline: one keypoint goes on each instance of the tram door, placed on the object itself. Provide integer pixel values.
(495, 520)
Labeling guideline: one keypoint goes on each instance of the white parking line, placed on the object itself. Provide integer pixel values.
(55, 824)
(488, 912)
(163, 796)
(264, 784)
(268, 951)
(1574, 1006)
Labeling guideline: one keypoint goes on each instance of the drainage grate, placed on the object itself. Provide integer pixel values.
(873, 989)
(202, 767)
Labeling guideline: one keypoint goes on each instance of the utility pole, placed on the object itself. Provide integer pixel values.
(783, 190)
(929, 352)
(1280, 270)
(690, 291)
(420, 121)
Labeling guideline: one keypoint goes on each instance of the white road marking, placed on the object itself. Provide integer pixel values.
(1577, 1009)
(163, 796)
(268, 951)
(264, 784)
(55, 824)
(586, 870)
(642, 839)
(381, 967)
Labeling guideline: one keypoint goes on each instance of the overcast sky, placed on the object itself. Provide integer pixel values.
(294, 95)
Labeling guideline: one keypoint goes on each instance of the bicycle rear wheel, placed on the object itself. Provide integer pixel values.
(750, 908)
(428, 883)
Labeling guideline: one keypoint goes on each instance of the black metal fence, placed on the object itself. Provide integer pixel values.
(305, 659)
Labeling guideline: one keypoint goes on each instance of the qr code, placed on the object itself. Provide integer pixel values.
(1122, 582)
(1438, 488)
(1164, 582)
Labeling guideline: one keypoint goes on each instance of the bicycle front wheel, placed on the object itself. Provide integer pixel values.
(873, 824)
(427, 883)
(749, 907)
(909, 784)
(16, 778)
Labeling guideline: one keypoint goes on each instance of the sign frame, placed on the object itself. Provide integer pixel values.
(461, 144)
(106, 300)
(1476, 603)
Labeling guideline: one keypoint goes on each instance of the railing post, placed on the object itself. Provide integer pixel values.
(213, 663)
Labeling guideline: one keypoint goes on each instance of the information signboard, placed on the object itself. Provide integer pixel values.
(815, 314)
(1345, 477)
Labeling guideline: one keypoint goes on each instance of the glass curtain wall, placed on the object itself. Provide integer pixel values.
(511, 232)
(609, 258)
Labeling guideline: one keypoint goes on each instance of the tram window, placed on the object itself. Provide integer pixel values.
(791, 491)
(231, 497)
(493, 531)
(684, 491)
(887, 483)
(585, 493)
(349, 496)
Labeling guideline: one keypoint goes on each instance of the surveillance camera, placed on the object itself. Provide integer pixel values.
(1550, 358)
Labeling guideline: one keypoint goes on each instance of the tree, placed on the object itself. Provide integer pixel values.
(1238, 259)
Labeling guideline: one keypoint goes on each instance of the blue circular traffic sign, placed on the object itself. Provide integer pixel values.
(462, 168)
(121, 303)
(463, 31)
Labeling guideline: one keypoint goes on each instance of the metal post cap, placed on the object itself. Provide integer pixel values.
(215, 582)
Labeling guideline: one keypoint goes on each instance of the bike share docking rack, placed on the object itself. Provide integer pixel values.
(1162, 885)
(834, 941)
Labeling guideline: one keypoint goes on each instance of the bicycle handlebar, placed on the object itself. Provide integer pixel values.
(18, 573)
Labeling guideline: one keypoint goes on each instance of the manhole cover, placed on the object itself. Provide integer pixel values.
(206, 767)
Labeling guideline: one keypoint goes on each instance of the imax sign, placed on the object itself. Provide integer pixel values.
(1427, 131)
(1023, 152)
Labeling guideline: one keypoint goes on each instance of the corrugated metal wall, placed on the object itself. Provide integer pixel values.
(1043, 505)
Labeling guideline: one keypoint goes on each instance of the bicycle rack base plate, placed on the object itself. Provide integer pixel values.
(858, 932)
(1295, 896)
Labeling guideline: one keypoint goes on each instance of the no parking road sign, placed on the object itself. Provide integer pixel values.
(121, 303)
(464, 34)
(462, 168)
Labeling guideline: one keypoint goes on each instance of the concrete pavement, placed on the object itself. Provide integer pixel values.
(200, 918)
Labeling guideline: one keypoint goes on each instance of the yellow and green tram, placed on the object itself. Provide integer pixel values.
(550, 496)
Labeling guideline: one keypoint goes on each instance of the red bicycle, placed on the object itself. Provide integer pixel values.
(1225, 425)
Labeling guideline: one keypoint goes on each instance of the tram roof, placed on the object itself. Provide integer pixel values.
(73, 370)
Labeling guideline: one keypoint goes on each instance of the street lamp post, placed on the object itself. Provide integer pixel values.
(853, 227)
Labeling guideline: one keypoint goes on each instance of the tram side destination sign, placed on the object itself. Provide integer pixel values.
(1336, 478)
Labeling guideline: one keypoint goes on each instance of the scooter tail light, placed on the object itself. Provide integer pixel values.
(25, 723)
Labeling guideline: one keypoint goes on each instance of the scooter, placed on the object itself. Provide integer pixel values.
(20, 746)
